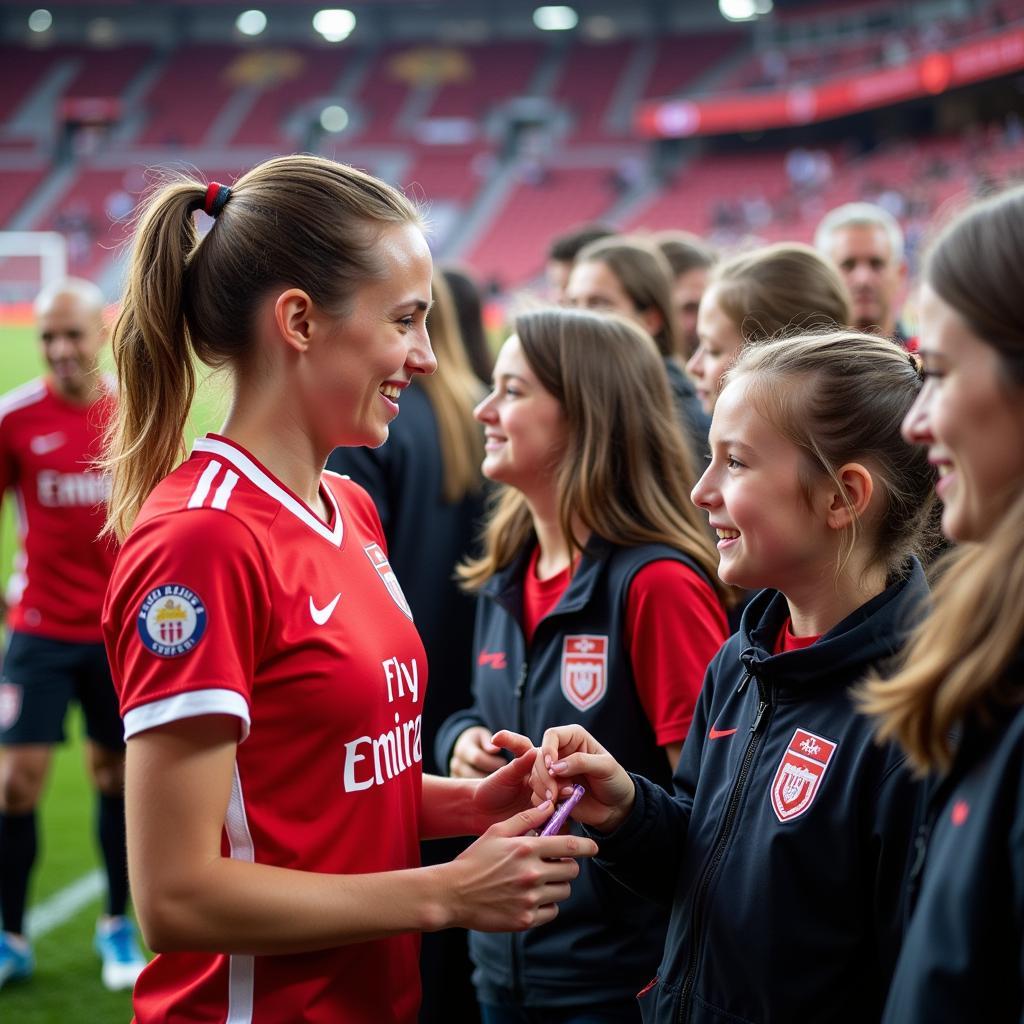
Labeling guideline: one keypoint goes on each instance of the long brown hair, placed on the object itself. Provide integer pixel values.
(453, 391)
(296, 221)
(841, 397)
(780, 288)
(646, 277)
(954, 669)
(627, 472)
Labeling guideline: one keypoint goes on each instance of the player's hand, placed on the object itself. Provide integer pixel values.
(505, 792)
(474, 756)
(569, 754)
(509, 881)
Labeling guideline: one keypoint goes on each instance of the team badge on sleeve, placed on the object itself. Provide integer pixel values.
(800, 773)
(375, 553)
(171, 620)
(584, 669)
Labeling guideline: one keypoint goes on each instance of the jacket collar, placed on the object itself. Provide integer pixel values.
(871, 634)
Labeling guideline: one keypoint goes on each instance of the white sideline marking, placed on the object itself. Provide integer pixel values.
(64, 904)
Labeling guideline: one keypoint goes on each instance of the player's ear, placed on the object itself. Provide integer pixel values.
(294, 315)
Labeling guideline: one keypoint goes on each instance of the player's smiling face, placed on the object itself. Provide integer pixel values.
(373, 353)
(524, 426)
(768, 532)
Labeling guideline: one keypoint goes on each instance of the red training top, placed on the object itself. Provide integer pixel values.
(48, 452)
(785, 641)
(674, 627)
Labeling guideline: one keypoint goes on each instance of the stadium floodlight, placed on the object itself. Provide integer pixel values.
(744, 10)
(334, 24)
(101, 32)
(334, 119)
(251, 23)
(555, 19)
(40, 20)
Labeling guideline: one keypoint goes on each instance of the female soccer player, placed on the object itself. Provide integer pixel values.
(270, 676)
(955, 705)
(426, 484)
(757, 296)
(597, 604)
(783, 847)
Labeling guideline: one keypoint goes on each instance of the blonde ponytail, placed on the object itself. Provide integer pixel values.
(156, 375)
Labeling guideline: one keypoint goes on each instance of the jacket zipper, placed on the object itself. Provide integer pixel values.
(718, 851)
(520, 689)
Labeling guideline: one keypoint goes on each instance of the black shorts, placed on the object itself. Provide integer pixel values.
(40, 678)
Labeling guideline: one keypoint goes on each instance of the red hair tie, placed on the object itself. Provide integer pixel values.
(216, 196)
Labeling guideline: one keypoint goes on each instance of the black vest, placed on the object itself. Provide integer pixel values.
(606, 942)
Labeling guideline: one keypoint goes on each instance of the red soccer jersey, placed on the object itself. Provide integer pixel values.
(48, 450)
(231, 596)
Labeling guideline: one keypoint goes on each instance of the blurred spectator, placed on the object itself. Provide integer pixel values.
(630, 277)
(563, 251)
(465, 294)
(691, 260)
(759, 295)
(865, 243)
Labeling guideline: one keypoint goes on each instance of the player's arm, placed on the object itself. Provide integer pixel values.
(468, 807)
(190, 897)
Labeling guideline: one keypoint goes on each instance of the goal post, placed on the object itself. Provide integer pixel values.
(29, 260)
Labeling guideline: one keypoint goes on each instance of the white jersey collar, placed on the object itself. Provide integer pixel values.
(259, 478)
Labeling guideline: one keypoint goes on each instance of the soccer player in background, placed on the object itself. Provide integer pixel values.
(50, 437)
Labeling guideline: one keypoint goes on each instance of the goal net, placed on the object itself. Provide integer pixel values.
(28, 261)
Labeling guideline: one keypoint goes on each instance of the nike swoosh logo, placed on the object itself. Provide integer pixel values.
(717, 734)
(321, 615)
(43, 444)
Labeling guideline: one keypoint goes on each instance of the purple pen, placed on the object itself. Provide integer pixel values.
(561, 815)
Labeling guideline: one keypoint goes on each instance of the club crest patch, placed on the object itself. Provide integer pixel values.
(801, 770)
(10, 704)
(584, 669)
(171, 620)
(375, 553)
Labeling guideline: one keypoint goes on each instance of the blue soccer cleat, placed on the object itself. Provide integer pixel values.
(123, 961)
(16, 960)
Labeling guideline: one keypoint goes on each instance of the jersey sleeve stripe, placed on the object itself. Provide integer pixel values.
(220, 499)
(187, 705)
(28, 394)
(203, 487)
(241, 968)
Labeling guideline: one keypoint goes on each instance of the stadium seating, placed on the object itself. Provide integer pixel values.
(438, 120)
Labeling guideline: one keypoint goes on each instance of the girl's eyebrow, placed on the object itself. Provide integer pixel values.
(727, 442)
